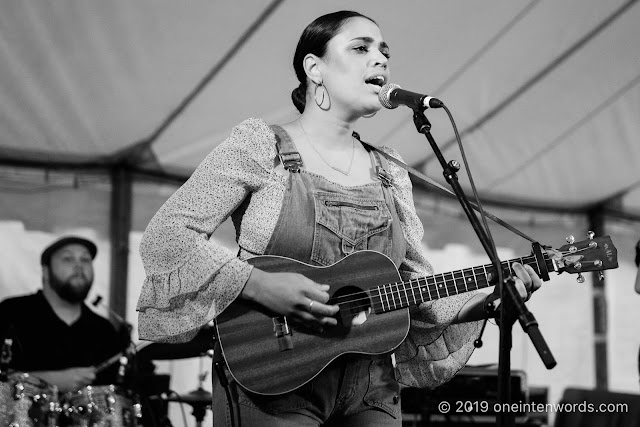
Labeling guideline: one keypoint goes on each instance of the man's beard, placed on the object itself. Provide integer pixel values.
(68, 291)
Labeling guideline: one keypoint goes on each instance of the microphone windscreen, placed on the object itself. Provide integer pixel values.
(97, 301)
(385, 93)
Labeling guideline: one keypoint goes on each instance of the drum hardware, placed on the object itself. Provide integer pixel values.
(5, 358)
(122, 357)
(125, 326)
(154, 387)
(113, 405)
(28, 401)
(101, 406)
(18, 390)
(199, 346)
(199, 400)
(122, 369)
(54, 408)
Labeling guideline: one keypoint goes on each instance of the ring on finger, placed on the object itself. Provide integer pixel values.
(310, 305)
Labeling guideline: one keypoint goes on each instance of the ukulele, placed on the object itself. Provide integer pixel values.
(269, 355)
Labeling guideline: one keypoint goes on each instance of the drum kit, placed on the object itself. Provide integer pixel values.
(29, 401)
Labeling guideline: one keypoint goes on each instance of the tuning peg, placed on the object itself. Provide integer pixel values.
(600, 275)
(580, 278)
(570, 240)
(591, 235)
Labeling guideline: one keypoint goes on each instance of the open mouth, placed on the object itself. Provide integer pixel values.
(377, 81)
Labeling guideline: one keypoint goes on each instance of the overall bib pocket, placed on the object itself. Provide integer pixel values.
(345, 224)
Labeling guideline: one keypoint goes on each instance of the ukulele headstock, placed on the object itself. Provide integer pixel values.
(593, 254)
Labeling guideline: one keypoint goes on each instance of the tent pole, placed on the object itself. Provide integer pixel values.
(119, 229)
(596, 224)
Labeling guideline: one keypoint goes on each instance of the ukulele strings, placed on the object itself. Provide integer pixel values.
(438, 282)
(532, 262)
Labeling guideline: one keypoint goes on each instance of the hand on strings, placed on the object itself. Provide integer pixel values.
(526, 281)
(293, 295)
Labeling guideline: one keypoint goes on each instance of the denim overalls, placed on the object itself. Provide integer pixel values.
(320, 223)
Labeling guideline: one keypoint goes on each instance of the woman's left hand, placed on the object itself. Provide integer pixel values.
(482, 305)
(526, 280)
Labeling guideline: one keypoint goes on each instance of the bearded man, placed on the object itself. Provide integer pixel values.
(54, 335)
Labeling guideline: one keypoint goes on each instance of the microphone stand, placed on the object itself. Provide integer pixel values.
(511, 305)
(127, 374)
(124, 328)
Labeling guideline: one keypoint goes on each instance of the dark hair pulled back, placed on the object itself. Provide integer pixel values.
(315, 39)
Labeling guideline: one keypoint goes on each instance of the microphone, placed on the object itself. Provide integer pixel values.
(125, 326)
(391, 95)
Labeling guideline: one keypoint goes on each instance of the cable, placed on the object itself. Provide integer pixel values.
(146, 402)
(217, 362)
(184, 414)
(478, 342)
(224, 382)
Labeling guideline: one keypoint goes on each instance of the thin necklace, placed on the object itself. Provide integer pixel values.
(342, 171)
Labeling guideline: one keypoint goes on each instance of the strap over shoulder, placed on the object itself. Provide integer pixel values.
(382, 166)
(289, 157)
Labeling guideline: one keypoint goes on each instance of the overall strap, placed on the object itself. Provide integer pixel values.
(382, 166)
(289, 157)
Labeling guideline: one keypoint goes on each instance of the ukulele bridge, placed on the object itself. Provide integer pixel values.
(283, 333)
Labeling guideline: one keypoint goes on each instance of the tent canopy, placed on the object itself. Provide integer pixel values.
(546, 95)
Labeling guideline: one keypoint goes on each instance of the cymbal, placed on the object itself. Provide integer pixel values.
(198, 346)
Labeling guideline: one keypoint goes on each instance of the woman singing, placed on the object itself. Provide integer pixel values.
(311, 191)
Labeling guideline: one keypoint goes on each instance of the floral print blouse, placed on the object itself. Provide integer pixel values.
(190, 279)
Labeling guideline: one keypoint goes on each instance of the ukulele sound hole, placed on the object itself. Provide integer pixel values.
(355, 306)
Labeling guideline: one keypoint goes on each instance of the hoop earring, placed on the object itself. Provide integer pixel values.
(324, 91)
(368, 116)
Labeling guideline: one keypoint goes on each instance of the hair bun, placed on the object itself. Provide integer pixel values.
(299, 98)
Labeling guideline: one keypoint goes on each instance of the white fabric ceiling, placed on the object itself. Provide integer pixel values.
(545, 93)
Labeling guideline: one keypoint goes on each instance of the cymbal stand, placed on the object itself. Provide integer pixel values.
(201, 398)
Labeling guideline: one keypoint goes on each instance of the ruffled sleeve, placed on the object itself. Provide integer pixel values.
(190, 279)
(435, 349)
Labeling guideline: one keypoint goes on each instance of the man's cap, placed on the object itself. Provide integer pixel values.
(45, 258)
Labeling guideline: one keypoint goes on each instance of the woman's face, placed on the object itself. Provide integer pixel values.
(355, 67)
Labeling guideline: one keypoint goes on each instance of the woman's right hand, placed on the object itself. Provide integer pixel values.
(292, 295)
